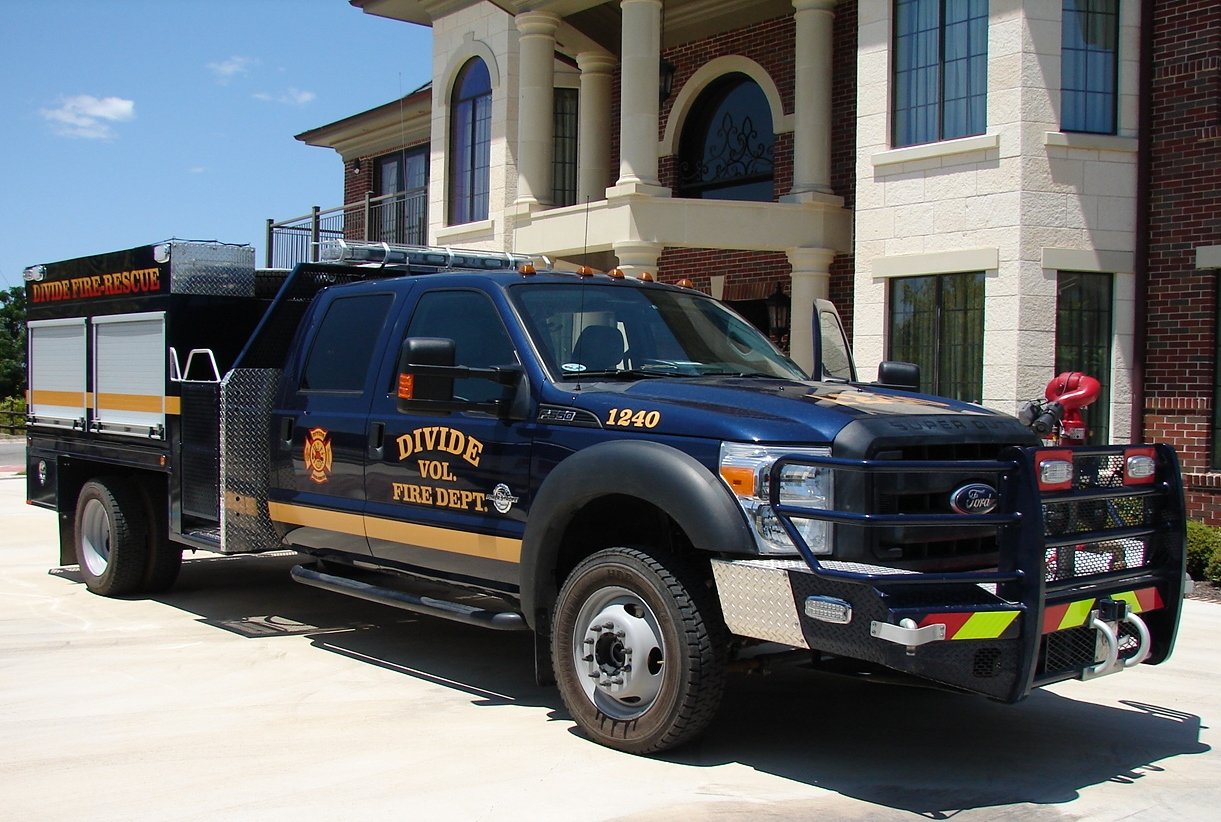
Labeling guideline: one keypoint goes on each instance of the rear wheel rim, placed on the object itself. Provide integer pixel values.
(95, 537)
(619, 653)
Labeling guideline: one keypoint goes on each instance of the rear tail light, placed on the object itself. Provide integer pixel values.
(1054, 470)
(1139, 466)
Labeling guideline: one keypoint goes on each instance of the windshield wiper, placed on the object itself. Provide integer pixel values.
(744, 374)
(619, 373)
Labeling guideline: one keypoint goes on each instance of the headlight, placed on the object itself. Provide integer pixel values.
(746, 470)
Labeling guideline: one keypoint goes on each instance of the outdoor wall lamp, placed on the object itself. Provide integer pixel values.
(778, 305)
(665, 79)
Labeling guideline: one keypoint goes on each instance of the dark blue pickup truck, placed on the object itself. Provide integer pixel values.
(627, 469)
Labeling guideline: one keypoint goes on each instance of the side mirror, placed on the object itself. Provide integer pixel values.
(902, 375)
(417, 385)
(426, 374)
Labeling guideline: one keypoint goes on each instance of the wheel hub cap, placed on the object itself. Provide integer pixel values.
(620, 653)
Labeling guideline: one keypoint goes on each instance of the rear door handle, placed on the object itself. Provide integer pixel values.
(376, 431)
(286, 430)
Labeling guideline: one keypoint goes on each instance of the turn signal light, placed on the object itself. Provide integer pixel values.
(1139, 466)
(1054, 470)
(740, 479)
(406, 386)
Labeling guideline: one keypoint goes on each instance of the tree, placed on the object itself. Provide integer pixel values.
(12, 342)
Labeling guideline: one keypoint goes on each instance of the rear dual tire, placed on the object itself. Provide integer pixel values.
(121, 541)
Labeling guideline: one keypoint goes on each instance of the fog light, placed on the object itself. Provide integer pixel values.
(1140, 467)
(1055, 470)
(829, 609)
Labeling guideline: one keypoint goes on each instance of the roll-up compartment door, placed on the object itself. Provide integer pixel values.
(57, 372)
(129, 361)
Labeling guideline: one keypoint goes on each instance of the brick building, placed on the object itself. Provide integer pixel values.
(998, 190)
(1181, 240)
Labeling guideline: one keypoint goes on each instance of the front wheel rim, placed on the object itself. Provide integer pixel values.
(95, 537)
(619, 653)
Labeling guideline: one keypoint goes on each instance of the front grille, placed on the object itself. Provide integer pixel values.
(928, 548)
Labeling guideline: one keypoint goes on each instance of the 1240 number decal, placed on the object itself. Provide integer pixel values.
(631, 418)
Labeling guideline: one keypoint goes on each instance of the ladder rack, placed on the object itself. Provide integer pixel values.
(438, 258)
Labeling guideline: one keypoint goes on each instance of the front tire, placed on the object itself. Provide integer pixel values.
(638, 650)
(110, 536)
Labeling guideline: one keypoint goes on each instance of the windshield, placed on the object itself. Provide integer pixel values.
(607, 330)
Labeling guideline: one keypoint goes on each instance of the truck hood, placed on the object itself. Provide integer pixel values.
(770, 410)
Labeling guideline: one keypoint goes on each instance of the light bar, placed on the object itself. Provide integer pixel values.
(438, 257)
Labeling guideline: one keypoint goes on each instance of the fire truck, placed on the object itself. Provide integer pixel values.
(625, 468)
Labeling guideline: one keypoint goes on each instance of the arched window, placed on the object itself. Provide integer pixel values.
(727, 143)
(470, 141)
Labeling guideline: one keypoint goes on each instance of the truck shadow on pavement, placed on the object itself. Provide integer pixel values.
(913, 749)
(254, 596)
(936, 753)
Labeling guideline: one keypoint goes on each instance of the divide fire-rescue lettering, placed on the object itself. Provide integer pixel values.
(439, 440)
(137, 281)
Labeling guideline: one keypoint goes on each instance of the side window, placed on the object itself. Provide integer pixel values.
(480, 340)
(1089, 65)
(343, 347)
(940, 70)
(470, 140)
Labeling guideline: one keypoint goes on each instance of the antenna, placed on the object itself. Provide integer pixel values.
(585, 245)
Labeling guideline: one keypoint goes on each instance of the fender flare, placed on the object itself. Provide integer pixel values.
(669, 478)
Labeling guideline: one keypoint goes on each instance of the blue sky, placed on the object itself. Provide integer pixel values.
(126, 122)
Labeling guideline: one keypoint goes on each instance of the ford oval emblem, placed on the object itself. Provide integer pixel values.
(975, 498)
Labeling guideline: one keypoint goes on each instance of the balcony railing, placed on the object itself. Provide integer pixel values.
(401, 217)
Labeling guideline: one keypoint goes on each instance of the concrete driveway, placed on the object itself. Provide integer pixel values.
(242, 695)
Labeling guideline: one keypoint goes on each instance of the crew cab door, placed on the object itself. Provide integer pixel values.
(447, 491)
(319, 425)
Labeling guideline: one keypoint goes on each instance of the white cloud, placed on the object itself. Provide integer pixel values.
(197, 169)
(292, 97)
(226, 70)
(89, 117)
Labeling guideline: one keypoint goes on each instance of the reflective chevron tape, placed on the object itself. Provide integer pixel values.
(976, 624)
(1076, 614)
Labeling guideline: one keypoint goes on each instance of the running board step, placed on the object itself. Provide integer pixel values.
(445, 609)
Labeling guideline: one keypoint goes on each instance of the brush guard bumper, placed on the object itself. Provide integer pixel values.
(1089, 579)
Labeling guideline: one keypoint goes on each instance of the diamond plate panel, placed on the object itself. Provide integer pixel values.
(246, 398)
(216, 269)
(757, 600)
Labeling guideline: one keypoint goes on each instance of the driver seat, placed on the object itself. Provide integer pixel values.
(599, 348)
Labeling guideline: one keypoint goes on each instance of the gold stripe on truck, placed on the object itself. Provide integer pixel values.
(452, 541)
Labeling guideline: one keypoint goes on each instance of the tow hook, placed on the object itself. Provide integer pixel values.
(1105, 620)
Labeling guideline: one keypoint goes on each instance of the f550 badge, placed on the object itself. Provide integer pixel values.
(318, 456)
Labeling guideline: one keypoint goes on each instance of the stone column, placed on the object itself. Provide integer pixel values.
(640, 105)
(811, 281)
(536, 106)
(812, 97)
(637, 257)
(594, 125)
